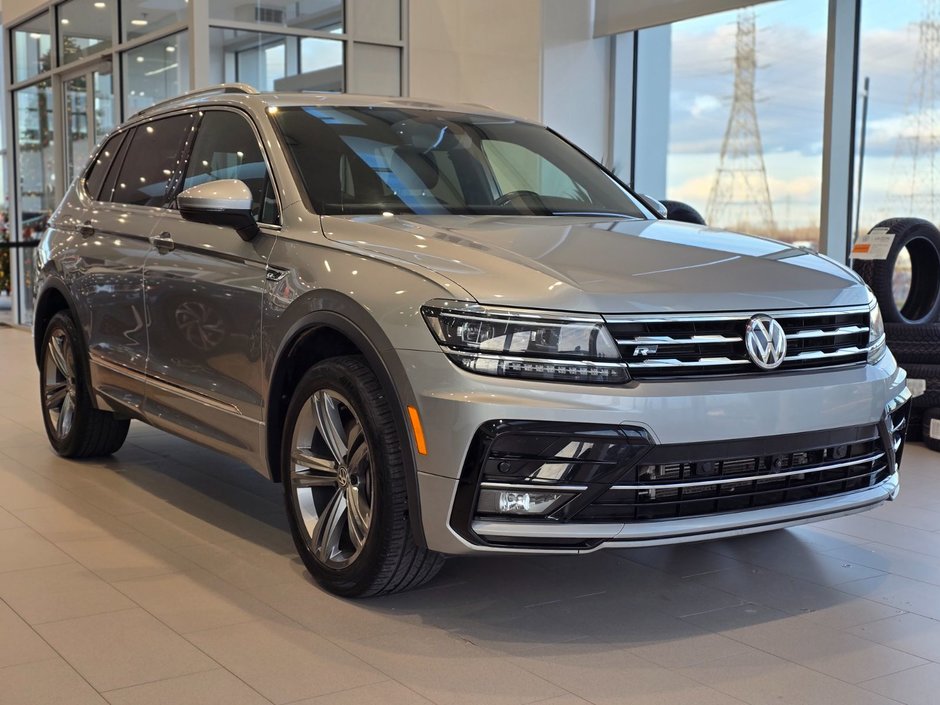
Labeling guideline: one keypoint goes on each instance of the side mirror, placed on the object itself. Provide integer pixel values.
(225, 202)
(654, 205)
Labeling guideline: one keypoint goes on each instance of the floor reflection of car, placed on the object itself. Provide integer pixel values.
(446, 330)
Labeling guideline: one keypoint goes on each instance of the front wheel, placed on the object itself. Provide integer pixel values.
(344, 484)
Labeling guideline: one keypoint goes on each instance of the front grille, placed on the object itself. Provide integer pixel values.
(710, 344)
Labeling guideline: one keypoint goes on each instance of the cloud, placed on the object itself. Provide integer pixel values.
(703, 104)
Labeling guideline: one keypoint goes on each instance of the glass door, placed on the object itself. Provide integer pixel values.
(89, 115)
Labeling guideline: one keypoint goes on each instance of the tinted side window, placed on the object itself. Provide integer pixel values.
(98, 169)
(152, 158)
(226, 148)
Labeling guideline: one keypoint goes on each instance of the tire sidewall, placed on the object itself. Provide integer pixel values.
(333, 375)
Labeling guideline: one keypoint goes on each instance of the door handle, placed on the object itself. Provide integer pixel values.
(163, 243)
(87, 229)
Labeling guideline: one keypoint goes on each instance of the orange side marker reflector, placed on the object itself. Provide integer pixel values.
(418, 431)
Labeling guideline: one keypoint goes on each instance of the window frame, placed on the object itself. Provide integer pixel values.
(187, 156)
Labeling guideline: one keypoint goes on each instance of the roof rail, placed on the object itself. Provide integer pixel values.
(221, 89)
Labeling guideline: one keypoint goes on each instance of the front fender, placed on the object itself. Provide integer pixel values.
(334, 311)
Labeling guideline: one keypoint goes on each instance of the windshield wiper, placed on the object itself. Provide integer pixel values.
(604, 214)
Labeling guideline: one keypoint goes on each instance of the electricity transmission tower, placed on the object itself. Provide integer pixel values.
(739, 192)
(920, 141)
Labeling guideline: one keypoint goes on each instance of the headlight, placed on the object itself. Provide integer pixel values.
(876, 331)
(527, 344)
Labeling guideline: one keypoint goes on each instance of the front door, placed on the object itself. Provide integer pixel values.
(204, 291)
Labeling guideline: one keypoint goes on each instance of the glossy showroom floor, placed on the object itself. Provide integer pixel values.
(165, 575)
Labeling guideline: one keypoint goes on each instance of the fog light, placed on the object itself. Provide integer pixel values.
(525, 502)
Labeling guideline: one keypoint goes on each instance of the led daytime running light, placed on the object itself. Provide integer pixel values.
(526, 344)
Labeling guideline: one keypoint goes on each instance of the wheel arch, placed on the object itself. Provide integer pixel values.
(319, 335)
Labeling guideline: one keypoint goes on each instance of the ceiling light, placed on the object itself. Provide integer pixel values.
(139, 23)
(35, 35)
(140, 59)
(101, 5)
(171, 49)
(65, 20)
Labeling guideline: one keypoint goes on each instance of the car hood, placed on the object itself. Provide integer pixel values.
(604, 266)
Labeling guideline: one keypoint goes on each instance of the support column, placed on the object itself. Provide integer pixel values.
(198, 20)
(651, 110)
(838, 168)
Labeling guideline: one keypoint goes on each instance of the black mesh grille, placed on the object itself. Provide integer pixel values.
(682, 489)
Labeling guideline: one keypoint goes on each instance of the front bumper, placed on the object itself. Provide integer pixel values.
(718, 413)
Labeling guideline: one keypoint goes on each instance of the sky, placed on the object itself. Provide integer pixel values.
(790, 84)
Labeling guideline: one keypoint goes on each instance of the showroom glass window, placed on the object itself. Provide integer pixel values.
(142, 17)
(35, 168)
(899, 55)
(156, 71)
(151, 160)
(31, 48)
(271, 62)
(322, 15)
(84, 28)
(770, 180)
(226, 147)
(900, 173)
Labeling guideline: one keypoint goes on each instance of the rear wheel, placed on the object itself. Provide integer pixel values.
(74, 427)
(344, 484)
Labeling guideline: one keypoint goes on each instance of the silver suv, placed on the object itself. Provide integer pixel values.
(446, 330)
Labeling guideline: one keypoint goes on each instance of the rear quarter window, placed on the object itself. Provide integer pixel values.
(152, 159)
(98, 169)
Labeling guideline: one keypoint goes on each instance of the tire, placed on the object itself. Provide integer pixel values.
(351, 458)
(930, 428)
(915, 426)
(683, 212)
(75, 428)
(931, 375)
(917, 344)
(922, 240)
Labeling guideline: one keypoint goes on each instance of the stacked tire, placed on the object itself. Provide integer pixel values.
(911, 311)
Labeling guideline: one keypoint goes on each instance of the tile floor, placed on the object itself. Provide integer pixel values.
(165, 575)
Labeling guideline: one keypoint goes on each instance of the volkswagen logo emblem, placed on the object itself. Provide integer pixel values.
(766, 342)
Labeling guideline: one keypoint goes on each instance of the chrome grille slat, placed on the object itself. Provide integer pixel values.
(844, 330)
(663, 363)
(818, 354)
(667, 340)
(803, 470)
(683, 345)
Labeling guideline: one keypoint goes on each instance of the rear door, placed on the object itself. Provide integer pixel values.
(115, 242)
(204, 295)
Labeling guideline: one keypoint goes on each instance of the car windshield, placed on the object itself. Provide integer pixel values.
(375, 160)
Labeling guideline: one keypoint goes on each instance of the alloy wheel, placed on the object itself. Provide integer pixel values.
(332, 479)
(60, 389)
